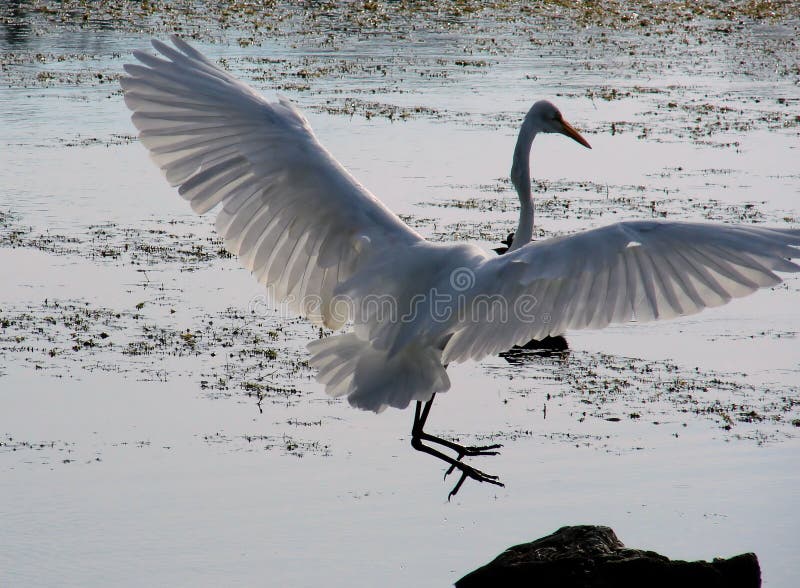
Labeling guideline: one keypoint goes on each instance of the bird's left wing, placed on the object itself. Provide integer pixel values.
(646, 270)
(290, 211)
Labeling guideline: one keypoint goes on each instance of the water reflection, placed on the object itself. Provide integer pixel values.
(70, 31)
(16, 28)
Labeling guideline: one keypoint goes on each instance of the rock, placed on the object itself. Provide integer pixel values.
(589, 556)
(506, 244)
(533, 350)
(553, 343)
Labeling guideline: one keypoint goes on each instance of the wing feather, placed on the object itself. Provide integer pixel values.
(298, 220)
(644, 269)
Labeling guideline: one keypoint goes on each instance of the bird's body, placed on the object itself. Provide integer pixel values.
(394, 353)
(322, 242)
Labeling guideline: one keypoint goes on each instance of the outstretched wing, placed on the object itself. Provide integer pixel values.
(290, 211)
(646, 270)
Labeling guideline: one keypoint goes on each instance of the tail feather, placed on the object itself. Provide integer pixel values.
(370, 378)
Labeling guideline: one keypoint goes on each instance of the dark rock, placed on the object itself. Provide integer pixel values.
(549, 343)
(589, 556)
(508, 241)
(533, 349)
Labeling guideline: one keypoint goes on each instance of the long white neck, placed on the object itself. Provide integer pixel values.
(521, 178)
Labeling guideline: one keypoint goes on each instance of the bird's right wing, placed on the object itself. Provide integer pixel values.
(290, 211)
(647, 270)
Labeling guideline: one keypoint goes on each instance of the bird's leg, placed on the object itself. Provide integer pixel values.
(421, 416)
(418, 435)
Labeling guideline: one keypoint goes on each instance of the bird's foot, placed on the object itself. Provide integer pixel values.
(470, 472)
(472, 451)
(418, 435)
(461, 450)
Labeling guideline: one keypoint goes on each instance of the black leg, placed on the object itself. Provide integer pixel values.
(421, 417)
(418, 436)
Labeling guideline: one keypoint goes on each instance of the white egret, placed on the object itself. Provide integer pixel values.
(319, 240)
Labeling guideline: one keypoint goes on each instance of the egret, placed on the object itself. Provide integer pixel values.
(322, 243)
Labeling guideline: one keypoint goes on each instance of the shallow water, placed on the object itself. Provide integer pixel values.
(145, 456)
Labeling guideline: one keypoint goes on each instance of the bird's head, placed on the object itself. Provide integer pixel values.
(544, 117)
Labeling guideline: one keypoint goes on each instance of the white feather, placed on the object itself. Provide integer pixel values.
(309, 231)
(222, 143)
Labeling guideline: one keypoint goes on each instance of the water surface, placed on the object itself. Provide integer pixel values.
(158, 425)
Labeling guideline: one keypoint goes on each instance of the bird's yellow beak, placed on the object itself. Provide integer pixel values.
(573, 133)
